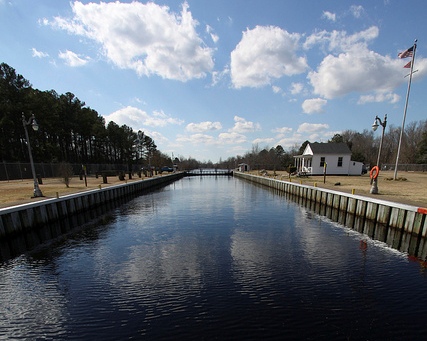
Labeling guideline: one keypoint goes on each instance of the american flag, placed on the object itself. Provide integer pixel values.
(408, 66)
(407, 53)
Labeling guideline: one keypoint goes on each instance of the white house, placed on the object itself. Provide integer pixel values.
(337, 157)
(243, 167)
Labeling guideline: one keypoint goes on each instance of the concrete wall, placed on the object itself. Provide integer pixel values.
(402, 227)
(22, 218)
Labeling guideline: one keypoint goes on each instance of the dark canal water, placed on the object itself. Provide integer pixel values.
(213, 258)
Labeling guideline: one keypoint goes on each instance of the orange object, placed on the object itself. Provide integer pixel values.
(374, 172)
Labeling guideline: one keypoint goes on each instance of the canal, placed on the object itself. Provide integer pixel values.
(213, 258)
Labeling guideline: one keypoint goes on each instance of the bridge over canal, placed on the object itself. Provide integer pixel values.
(209, 171)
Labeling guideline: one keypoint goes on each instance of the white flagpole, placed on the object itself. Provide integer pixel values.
(406, 108)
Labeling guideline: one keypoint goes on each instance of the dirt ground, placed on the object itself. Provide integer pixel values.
(410, 188)
(16, 192)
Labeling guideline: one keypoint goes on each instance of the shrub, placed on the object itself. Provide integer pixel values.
(66, 172)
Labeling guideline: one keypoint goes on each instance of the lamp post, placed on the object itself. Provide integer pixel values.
(375, 125)
(32, 121)
(138, 143)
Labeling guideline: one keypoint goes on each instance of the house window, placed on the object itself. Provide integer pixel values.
(339, 161)
(322, 161)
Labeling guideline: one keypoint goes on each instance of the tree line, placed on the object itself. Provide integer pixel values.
(72, 132)
(69, 131)
(364, 147)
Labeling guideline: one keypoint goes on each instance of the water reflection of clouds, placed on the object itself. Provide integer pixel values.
(31, 301)
(321, 246)
(251, 261)
(168, 266)
(173, 250)
(295, 240)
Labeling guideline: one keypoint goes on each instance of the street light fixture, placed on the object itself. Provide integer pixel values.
(32, 121)
(375, 125)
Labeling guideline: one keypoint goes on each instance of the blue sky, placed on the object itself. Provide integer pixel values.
(213, 79)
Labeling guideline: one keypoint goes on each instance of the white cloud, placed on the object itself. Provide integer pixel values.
(231, 138)
(282, 130)
(296, 88)
(357, 70)
(338, 41)
(330, 16)
(352, 67)
(73, 59)
(218, 76)
(266, 140)
(204, 139)
(243, 126)
(197, 139)
(313, 105)
(134, 117)
(203, 126)
(379, 97)
(156, 136)
(147, 38)
(291, 141)
(214, 37)
(39, 54)
(312, 128)
(276, 89)
(237, 150)
(356, 11)
(263, 54)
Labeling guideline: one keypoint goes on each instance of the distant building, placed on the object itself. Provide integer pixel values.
(337, 157)
(243, 167)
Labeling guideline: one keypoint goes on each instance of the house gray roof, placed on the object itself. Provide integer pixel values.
(329, 148)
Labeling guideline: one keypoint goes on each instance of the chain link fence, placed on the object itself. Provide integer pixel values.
(20, 171)
(409, 167)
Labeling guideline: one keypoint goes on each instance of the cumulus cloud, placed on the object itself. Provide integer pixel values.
(265, 53)
(379, 97)
(197, 139)
(156, 136)
(243, 126)
(282, 130)
(266, 140)
(296, 88)
(205, 139)
(356, 11)
(73, 59)
(330, 16)
(134, 117)
(146, 38)
(351, 67)
(276, 89)
(39, 54)
(339, 41)
(313, 105)
(203, 126)
(312, 128)
(231, 138)
(291, 141)
(357, 70)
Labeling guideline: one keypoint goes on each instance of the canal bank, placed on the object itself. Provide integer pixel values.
(402, 227)
(21, 218)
